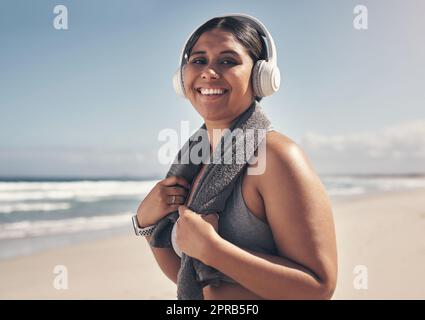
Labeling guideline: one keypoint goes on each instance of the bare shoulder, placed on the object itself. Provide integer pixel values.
(257, 176)
(287, 177)
(283, 151)
(288, 169)
(284, 176)
(283, 158)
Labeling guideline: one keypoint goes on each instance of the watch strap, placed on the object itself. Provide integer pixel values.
(147, 231)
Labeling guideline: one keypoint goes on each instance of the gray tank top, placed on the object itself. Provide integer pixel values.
(238, 225)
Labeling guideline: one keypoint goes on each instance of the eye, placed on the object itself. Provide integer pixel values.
(227, 61)
(224, 61)
(198, 61)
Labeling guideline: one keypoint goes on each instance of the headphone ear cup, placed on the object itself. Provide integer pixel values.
(275, 78)
(266, 78)
(177, 84)
(256, 82)
(270, 79)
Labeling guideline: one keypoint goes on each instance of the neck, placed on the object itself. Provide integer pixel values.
(215, 128)
(215, 132)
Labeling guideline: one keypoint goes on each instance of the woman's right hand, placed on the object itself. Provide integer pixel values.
(158, 203)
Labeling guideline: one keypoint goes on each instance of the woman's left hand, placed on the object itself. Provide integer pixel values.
(195, 232)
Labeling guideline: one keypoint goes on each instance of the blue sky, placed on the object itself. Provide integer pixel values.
(91, 100)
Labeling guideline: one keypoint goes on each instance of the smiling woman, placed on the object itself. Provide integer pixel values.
(211, 70)
(275, 237)
(226, 67)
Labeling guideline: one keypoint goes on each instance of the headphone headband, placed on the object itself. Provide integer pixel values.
(261, 28)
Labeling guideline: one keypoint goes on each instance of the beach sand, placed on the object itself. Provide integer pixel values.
(121, 267)
(385, 233)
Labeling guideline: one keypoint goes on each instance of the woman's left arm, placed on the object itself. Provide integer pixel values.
(299, 213)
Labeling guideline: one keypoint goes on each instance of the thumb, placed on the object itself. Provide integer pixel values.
(181, 209)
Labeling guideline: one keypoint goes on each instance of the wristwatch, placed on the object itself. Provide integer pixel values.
(147, 231)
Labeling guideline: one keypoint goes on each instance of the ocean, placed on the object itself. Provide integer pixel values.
(39, 214)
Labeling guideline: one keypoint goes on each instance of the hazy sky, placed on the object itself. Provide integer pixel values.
(91, 100)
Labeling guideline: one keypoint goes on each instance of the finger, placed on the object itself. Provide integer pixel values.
(173, 207)
(182, 209)
(173, 199)
(210, 213)
(175, 180)
(177, 191)
(211, 217)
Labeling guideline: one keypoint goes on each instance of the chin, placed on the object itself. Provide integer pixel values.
(213, 111)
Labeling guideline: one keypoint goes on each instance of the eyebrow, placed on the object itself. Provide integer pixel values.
(232, 52)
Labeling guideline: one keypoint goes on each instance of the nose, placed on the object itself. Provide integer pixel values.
(210, 73)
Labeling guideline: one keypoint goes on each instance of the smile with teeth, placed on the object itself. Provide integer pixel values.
(210, 92)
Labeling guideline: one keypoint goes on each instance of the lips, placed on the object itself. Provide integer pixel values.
(211, 92)
(211, 97)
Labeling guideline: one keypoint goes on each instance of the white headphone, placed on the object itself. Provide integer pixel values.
(265, 74)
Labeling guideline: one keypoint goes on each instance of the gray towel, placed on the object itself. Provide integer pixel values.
(213, 189)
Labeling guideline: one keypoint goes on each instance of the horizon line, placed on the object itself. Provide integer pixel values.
(16, 178)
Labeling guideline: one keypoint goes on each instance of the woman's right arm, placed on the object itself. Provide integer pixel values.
(156, 205)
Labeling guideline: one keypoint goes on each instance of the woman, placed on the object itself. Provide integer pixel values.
(287, 203)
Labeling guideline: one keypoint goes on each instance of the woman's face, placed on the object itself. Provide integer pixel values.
(217, 77)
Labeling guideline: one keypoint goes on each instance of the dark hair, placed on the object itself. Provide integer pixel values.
(245, 32)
